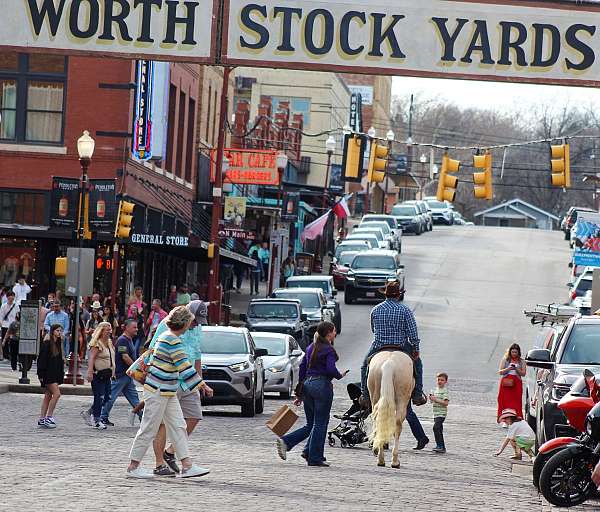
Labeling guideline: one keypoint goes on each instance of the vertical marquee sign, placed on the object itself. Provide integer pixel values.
(142, 125)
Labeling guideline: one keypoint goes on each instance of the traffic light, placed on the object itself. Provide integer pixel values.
(560, 163)
(211, 250)
(482, 180)
(377, 162)
(354, 153)
(124, 219)
(60, 267)
(446, 190)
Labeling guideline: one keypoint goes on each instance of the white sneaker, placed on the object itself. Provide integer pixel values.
(281, 448)
(88, 420)
(100, 426)
(132, 417)
(50, 423)
(139, 473)
(193, 471)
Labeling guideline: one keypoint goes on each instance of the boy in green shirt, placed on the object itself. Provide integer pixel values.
(439, 398)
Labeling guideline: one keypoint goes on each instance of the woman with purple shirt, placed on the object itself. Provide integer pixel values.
(317, 369)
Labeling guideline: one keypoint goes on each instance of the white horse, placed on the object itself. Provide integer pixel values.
(391, 384)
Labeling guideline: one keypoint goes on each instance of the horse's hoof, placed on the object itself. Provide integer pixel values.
(381, 464)
(375, 451)
(396, 466)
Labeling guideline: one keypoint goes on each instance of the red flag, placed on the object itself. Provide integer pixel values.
(341, 209)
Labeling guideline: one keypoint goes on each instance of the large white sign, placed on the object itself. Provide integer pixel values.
(491, 40)
(160, 29)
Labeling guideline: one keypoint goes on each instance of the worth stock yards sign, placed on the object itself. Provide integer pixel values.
(491, 40)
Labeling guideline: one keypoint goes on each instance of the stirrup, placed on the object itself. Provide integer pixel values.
(419, 400)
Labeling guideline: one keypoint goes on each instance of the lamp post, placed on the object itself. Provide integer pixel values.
(85, 149)
(330, 148)
(371, 133)
(390, 138)
(423, 160)
(281, 161)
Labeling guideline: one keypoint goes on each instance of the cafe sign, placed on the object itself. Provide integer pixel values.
(248, 167)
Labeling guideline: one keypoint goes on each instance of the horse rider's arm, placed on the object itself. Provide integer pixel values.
(411, 330)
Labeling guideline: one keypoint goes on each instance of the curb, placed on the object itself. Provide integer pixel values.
(64, 389)
(4, 388)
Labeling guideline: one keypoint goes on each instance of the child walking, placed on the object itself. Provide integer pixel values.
(440, 399)
(51, 372)
(520, 435)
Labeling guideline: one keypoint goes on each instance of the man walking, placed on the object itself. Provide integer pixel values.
(58, 316)
(393, 324)
(8, 312)
(21, 289)
(123, 383)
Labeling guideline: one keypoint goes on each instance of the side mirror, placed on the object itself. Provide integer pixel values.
(334, 293)
(539, 358)
(243, 317)
(568, 285)
(304, 317)
(260, 352)
(296, 352)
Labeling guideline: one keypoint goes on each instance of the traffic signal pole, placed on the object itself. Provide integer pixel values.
(214, 286)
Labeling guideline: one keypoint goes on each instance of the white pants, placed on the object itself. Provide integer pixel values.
(160, 409)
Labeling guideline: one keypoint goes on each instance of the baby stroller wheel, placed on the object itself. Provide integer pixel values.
(344, 443)
(331, 440)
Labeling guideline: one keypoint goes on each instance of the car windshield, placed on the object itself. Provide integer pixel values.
(381, 225)
(349, 247)
(373, 232)
(583, 346)
(346, 258)
(308, 300)
(404, 210)
(274, 346)
(436, 204)
(389, 221)
(366, 261)
(274, 310)
(324, 285)
(221, 342)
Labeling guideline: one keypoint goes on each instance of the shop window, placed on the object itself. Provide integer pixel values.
(32, 92)
(22, 208)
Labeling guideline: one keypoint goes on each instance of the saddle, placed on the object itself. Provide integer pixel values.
(387, 348)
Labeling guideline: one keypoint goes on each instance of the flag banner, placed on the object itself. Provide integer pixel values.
(315, 228)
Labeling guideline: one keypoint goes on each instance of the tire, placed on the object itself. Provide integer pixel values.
(540, 431)
(249, 408)
(538, 465)
(567, 235)
(565, 480)
(530, 419)
(338, 324)
(259, 403)
(288, 393)
(348, 299)
(418, 232)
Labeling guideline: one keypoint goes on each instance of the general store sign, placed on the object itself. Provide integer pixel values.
(248, 167)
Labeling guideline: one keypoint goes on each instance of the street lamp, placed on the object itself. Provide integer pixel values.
(390, 138)
(330, 148)
(371, 133)
(346, 130)
(281, 160)
(390, 135)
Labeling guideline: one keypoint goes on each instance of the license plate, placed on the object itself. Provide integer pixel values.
(370, 294)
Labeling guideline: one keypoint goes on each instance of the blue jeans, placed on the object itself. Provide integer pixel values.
(318, 397)
(364, 369)
(101, 390)
(125, 386)
(66, 345)
(415, 425)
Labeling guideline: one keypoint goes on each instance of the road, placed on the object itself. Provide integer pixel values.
(468, 287)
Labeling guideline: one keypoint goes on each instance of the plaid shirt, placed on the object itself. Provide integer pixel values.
(394, 324)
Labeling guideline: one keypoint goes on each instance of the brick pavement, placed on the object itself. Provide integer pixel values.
(75, 467)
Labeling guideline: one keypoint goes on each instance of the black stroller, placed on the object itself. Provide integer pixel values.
(351, 429)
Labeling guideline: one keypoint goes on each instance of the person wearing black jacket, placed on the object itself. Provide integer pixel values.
(51, 372)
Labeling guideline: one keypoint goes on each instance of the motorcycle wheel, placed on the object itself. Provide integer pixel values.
(565, 480)
(538, 465)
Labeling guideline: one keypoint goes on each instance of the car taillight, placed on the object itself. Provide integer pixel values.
(573, 295)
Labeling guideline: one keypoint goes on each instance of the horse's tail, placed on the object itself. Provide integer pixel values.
(384, 411)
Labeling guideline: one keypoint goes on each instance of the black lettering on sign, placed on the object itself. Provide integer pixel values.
(345, 32)
(262, 34)
(93, 19)
(173, 20)
(110, 17)
(480, 42)
(146, 18)
(448, 40)
(380, 35)
(46, 10)
(327, 28)
(286, 26)
(539, 34)
(577, 44)
(507, 43)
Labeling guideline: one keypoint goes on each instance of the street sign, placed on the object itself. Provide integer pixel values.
(29, 328)
(80, 272)
(239, 234)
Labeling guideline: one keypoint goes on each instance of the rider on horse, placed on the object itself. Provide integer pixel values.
(393, 324)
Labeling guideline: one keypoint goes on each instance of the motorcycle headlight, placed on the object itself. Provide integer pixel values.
(238, 367)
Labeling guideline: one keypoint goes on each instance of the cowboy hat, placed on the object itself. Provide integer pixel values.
(96, 305)
(508, 413)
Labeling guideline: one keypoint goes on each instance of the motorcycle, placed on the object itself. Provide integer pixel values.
(576, 404)
(566, 479)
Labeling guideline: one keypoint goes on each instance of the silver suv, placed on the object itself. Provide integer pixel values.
(232, 366)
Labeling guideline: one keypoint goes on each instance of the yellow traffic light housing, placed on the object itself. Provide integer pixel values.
(211, 250)
(560, 163)
(354, 153)
(60, 267)
(124, 219)
(446, 190)
(482, 180)
(378, 160)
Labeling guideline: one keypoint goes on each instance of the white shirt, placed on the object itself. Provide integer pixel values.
(7, 318)
(21, 291)
(520, 429)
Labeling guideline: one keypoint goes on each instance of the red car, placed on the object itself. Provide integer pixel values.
(340, 267)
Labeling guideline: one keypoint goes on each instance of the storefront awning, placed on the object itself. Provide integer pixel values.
(232, 255)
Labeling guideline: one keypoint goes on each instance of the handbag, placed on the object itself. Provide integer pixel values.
(104, 375)
(283, 419)
(507, 383)
(139, 369)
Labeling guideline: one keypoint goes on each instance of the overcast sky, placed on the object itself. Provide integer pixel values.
(470, 93)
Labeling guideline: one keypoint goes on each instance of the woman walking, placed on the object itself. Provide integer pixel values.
(169, 369)
(510, 392)
(101, 369)
(317, 369)
(11, 340)
(51, 372)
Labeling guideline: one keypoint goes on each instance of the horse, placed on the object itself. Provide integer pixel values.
(390, 384)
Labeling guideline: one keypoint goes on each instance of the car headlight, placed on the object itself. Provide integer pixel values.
(415, 219)
(238, 367)
(559, 390)
(350, 275)
(278, 368)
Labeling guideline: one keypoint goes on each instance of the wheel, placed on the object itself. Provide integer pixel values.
(567, 235)
(249, 408)
(331, 440)
(566, 480)
(344, 444)
(288, 393)
(338, 324)
(530, 419)
(259, 403)
(418, 231)
(348, 299)
(540, 431)
(538, 465)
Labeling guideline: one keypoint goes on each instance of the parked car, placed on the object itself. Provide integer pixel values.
(394, 235)
(284, 316)
(350, 245)
(382, 239)
(561, 364)
(232, 367)
(409, 217)
(425, 212)
(326, 284)
(314, 305)
(370, 238)
(340, 269)
(390, 219)
(581, 285)
(441, 211)
(571, 218)
(369, 272)
(282, 363)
